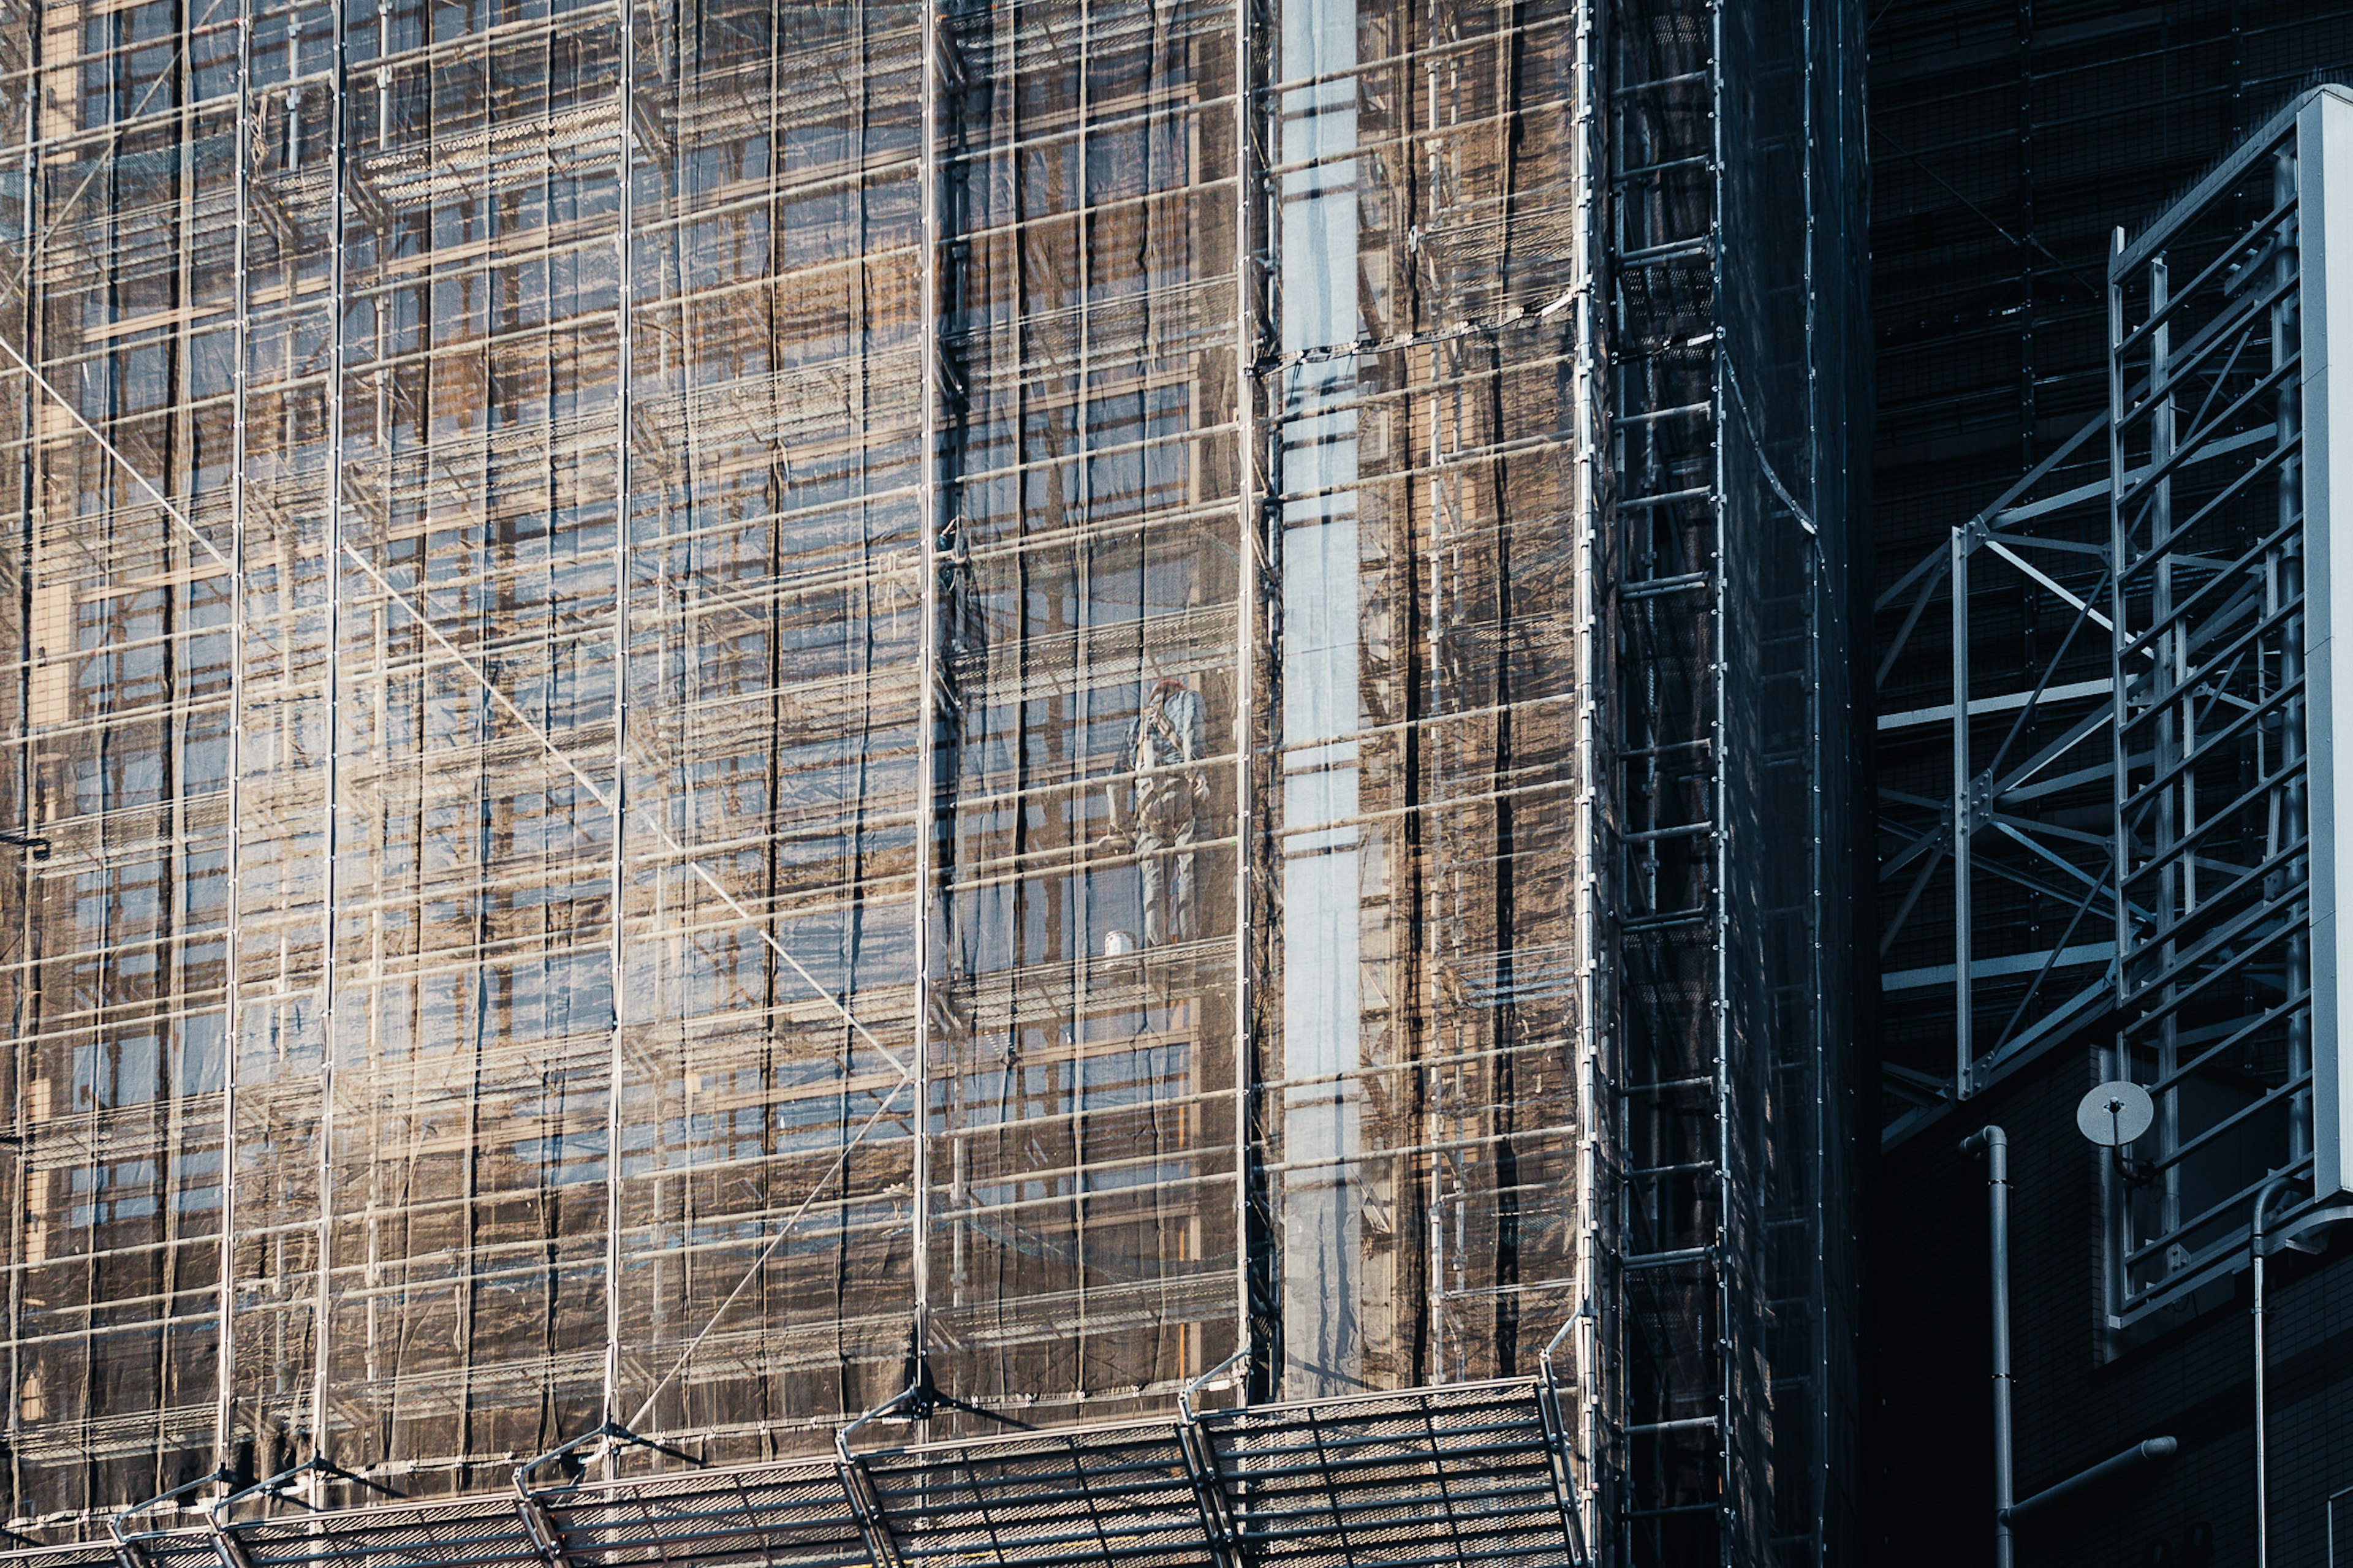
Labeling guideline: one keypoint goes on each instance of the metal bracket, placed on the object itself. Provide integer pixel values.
(1201, 1455)
(127, 1550)
(2301, 1234)
(540, 1525)
(225, 1536)
(1558, 1432)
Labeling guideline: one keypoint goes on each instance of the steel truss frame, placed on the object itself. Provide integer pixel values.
(2002, 855)
(2212, 902)
(2123, 842)
(1991, 800)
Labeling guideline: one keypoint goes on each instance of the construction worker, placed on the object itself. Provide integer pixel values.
(1166, 791)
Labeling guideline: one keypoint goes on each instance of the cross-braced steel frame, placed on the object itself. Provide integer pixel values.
(2116, 844)
(1994, 850)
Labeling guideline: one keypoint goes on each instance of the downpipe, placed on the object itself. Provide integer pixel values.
(2265, 1197)
(2303, 1234)
(1994, 1144)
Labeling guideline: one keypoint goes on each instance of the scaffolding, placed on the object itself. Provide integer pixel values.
(1734, 314)
(1438, 1477)
(724, 715)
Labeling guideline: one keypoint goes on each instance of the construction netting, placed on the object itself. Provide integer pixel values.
(686, 676)
(1421, 1029)
(717, 707)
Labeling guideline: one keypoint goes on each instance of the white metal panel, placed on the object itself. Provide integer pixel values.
(2324, 203)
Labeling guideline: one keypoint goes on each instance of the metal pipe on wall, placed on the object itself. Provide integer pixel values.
(2300, 1235)
(1994, 1144)
(2265, 1195)
(2148, 1451)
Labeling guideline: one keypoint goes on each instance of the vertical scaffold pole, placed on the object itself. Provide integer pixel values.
(22, 1020)
(1818, 861)
(2288, 573)
(1729, 1348)
(338, 283)
(1593, 1071)
(2119, 776)
(1245, 639)
(617, 931)
(927, 911)
(232, 1013)
(1964, 1041)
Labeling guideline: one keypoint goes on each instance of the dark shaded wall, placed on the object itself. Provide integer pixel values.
(1930, 1480)
(2008, 140)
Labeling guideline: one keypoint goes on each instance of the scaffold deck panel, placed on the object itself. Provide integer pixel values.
(1409, 1481)
(1103, 1498)
(783, 1516)
(472, 1532)
(1442, 1478)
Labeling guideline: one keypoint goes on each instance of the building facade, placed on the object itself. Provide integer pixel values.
(2100, 804)
(1037, 715)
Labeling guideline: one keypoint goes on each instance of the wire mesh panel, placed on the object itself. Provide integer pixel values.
(1124, 1496)
(794, 1515)
(176, 1549)
(91, 1554)
(476, 1532)
(1438, 1477)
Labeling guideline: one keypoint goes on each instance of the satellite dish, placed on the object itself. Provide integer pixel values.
(2116, 1113)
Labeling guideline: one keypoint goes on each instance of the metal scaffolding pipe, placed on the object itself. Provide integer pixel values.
(2140, 1453)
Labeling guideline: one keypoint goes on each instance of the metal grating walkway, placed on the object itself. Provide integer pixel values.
(778, 1516)
(464, 1533)
(1434, 1477)
(1119, 1496)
